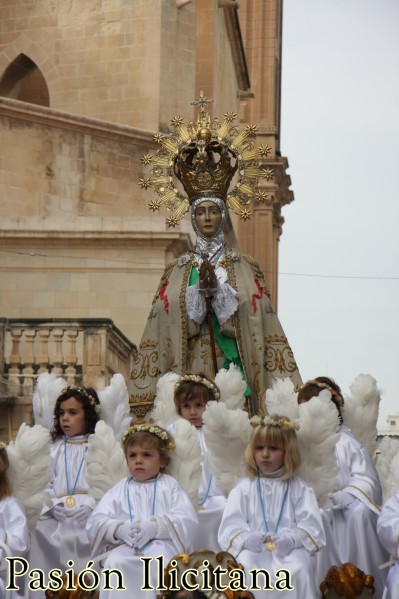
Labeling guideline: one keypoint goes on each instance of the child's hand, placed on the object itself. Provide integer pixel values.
(125, 533)
(284, 543)
(82, 513)
(254, 541)
(340, 499)
(58, 512)
(145, 532)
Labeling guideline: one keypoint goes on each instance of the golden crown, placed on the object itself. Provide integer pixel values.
(204, 156)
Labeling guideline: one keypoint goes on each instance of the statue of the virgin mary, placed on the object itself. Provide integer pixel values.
(212, 306)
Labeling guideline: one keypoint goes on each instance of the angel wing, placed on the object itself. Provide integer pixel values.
(360, 412)
(48, 388)
(227, 433)
(29, 471)
(232, 387)
(281, 399)
(185, 465)
(318, 435)
(114, 402)
(164, 411)
(387, 465)
(105, 461)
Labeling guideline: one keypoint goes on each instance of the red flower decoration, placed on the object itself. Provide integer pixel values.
(164, 297)
(256, 296)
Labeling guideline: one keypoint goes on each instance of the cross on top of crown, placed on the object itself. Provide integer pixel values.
(201, 101)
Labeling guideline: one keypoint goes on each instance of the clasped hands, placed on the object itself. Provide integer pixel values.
(137, 533)
(284, 542)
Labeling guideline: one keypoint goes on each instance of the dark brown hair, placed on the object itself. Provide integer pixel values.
(312, 389)
(91, 414)
(5, 485)
(188, 390)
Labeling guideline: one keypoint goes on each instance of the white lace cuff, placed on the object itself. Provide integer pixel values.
(224, 302)
(195, 303)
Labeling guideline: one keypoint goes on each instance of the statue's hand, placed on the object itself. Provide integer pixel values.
(207, 277)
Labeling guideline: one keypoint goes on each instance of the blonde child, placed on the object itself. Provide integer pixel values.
(145, 514)
(271, 520)
(60, 533)
(350, 521)
(191, 395)
(13, 526)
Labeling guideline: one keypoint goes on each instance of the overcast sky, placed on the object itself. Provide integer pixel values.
(339, 253)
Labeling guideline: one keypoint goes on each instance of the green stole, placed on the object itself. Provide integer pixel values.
(228, 345)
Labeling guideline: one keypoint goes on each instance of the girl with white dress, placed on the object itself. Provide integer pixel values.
(191, 395)
(388, 533)
(272, 520)
(145, 514)
(13, 525)
(351, 519)
(60, 534)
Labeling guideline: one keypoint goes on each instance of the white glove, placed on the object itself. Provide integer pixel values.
(82, 513)
(340, 499)
(285, 543)
(125, 532)
(58, 512)
(254, 541)
(144, 532)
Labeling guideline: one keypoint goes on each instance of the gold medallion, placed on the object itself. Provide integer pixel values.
(70, 502)
(270, 545)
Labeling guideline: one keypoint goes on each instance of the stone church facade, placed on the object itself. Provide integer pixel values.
(84, 86)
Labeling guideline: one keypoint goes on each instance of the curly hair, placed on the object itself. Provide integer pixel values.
(91, 413)
(149, 441)
(5, 485)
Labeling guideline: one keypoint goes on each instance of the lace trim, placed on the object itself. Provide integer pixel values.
(224, 303)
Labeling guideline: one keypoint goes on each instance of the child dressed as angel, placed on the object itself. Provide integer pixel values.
(60, 533)
(145, 514)
(272, 520)
(13, 524)
(192, 393)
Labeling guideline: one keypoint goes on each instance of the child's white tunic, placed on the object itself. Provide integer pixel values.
(211, 501)
(14, 533)
(244, 514)
(128, 501)
(53, 542)
(351, 531)
(388, 533)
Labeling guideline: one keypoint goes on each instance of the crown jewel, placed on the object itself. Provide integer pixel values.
(204, 156)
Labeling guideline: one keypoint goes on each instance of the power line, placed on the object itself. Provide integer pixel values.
(136, 263)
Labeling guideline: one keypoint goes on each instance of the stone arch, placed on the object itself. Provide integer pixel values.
(23, 80)
(12, 54)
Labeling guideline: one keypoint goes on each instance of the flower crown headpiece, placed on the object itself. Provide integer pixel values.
(80, 390)
(334, 394)
(2, 445)
(204, 156)
(148, 427)
(276, 421)
(196, 378)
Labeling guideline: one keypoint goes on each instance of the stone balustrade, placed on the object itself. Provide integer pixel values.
(84, 351)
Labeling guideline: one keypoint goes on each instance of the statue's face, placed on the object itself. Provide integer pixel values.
(208, 218)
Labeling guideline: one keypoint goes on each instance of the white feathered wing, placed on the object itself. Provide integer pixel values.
(281, 399)
(185, 465)
(318, 435)
(114, 404)
(105, 461)
(360, 412)
(387, 465)
(232, 387)
(29, 471)
(164, 410)
(47, 390)
(227, 433)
